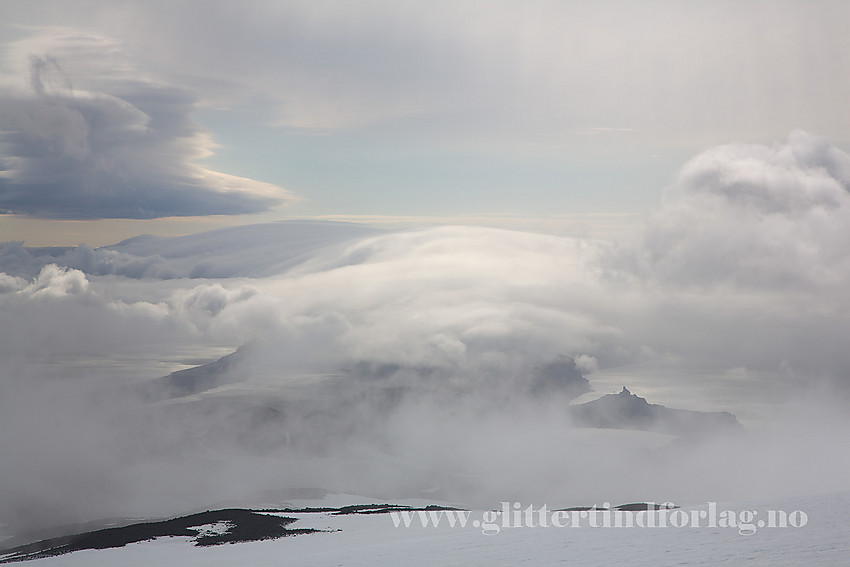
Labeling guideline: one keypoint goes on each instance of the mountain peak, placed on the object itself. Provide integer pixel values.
(626, 410)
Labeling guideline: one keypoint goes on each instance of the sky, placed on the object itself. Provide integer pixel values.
(122, 118)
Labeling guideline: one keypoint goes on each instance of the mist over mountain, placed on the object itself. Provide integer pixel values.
(441, 359)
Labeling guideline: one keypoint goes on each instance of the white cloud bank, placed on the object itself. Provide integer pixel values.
(754, 216)
(125, 150)
(742, 266)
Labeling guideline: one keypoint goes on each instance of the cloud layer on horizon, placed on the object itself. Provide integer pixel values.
(249, 251)
(749, 237)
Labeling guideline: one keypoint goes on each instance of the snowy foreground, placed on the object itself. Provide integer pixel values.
(373, 539)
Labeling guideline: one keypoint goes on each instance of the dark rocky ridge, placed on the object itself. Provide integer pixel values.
(242, 526)
(629, 411)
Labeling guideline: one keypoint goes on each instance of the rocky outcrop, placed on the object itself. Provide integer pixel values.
(629, 411)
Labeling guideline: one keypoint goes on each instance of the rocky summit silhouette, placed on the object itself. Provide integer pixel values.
(626, 410)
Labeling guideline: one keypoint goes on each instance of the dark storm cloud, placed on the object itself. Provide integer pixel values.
(68, 154)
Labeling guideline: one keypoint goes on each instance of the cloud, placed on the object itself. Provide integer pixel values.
(60, 313)
(237, 252)
(531, 72)
(125, 151)
(489, 302)
(57, 282)
(754, 216)
(10, 283)
(745, 262)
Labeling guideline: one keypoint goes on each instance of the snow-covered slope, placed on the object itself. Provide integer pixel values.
(372, 540)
